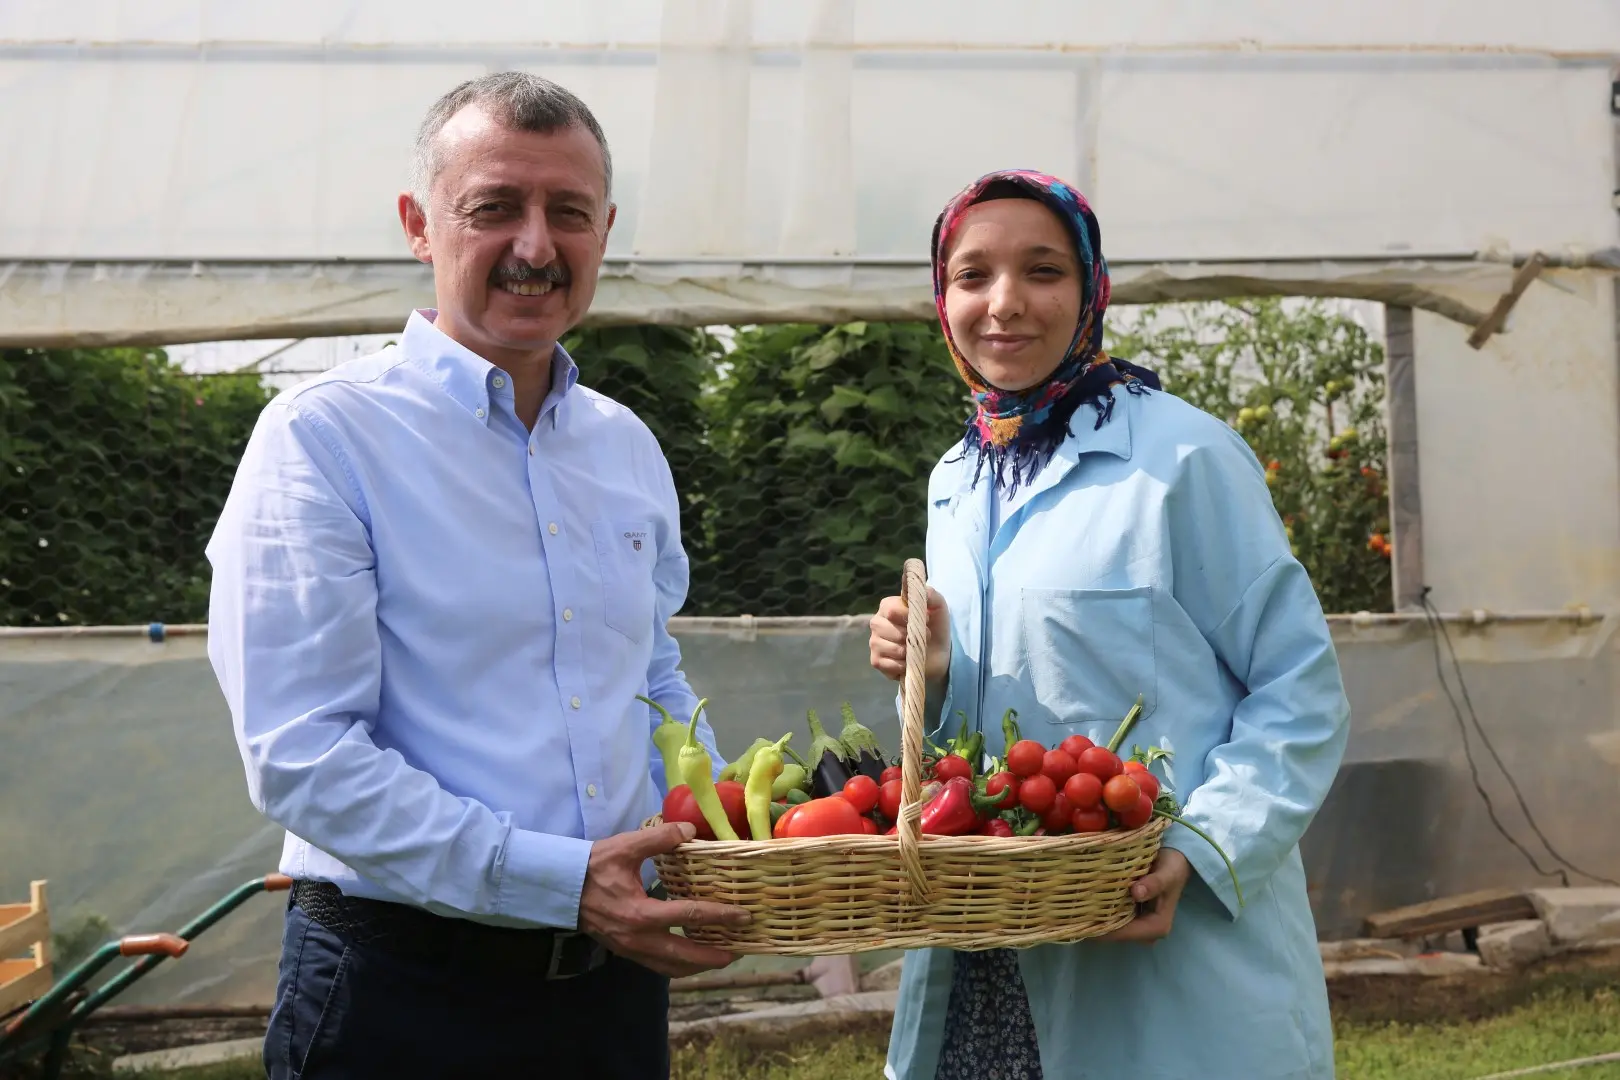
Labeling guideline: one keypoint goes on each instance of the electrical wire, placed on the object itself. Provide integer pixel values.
(1438, 626)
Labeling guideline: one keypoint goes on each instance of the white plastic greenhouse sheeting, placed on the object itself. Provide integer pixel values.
(120, 783)
(785, 159)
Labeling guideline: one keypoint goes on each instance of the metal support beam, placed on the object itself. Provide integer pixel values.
(1405, 491)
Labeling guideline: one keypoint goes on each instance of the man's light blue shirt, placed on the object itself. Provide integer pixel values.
(431, 625)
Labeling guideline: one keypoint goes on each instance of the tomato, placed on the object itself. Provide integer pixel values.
(1084, 791)
(1003, 781)
(1057, 818)
(735, 803)
(831, 816)
(1121, 793)
(889, 799)
(1037, 793)
(1138, 815)
(680, 805)
(1075, 745)
(1092, 820)
(779, 830)
(951, 766)
(868, 826)
(996, 827)
(1146, 781)
(1100, 762)
(1058, 765)
(862, 793)
(1024, 757)
(891, 773)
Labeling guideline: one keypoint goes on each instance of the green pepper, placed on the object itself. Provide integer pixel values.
(767, 765)
(697, 773)
(777, 810)
(791, 779)
(797, 796)
(668, 737)
(740, 766)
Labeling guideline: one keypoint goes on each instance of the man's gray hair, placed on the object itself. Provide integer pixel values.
(515, 99)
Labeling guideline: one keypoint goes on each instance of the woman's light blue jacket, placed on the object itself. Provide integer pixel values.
(1148, 559)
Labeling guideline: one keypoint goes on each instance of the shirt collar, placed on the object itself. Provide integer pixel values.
(1114, 437)
(468, 377)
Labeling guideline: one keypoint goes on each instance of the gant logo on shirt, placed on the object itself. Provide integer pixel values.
(635, 539)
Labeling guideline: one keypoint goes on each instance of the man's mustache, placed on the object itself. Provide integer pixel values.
(555, 273)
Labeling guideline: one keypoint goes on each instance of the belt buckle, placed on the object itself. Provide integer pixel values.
(559, 948)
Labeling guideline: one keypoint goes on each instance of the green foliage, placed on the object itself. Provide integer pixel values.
(824, 439)
(113, 467)
(801, 455)
(73, 943)
(1304, 385)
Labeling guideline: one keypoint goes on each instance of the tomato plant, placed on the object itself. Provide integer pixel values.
(1303, 384)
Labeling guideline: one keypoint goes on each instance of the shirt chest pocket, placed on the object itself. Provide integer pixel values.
(626, 555)
(1090, 652)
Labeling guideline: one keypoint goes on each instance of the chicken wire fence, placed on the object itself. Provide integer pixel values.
(801, 454)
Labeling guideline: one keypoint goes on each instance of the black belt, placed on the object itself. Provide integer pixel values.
(413, 933)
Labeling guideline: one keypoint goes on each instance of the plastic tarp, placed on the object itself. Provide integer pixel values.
(198, 169)
(121, 785)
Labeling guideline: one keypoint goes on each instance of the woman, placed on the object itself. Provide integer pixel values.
(1092, 539)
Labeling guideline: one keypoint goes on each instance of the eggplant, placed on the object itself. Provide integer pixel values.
(861, 746)
(831, 765)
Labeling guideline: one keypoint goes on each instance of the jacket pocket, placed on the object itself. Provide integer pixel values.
(1090, 652)
(626, 555)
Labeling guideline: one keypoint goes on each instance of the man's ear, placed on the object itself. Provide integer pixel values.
(415, 224)
(607, 229)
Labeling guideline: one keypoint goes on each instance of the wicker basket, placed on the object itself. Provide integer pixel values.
(845, 894)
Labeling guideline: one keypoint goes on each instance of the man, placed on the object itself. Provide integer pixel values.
(441, 578)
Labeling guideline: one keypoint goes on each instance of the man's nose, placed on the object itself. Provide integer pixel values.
(533, 243)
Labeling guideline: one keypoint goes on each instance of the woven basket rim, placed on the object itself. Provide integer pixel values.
(992, 845)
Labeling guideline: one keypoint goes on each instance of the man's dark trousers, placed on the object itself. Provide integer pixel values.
(351, 1011)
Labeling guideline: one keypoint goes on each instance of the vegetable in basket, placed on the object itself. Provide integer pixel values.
(668, 737)
(738, 770)
(696, 771)
(861, 745)
(831, 767)
(762, 773)
(794, 777)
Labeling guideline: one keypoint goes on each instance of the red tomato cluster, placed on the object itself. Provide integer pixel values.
(1077, 786)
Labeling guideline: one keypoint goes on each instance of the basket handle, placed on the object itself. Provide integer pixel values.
(913, 701)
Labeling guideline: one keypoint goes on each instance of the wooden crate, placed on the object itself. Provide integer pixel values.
(25, 933)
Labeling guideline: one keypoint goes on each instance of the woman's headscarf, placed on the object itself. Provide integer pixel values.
(1016, 431)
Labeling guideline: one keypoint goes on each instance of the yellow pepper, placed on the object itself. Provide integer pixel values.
(668, 737)
(740, 766)
(762, 774)
(697, 773)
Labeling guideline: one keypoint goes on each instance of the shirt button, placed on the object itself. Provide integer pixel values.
(590, 789)
(480, 413)
(568, 614)
(574, 702)
(552, 528)
(498, 381)
(531, 449)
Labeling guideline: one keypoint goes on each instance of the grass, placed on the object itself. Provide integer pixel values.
(1385, 1029)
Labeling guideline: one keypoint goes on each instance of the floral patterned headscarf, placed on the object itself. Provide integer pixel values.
(1016, 431)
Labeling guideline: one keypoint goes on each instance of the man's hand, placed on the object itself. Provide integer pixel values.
(1157, 892)
(614, 907)
(888, 641)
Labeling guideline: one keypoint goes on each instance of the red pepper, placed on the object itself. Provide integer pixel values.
(995, 827)
(951, 812)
